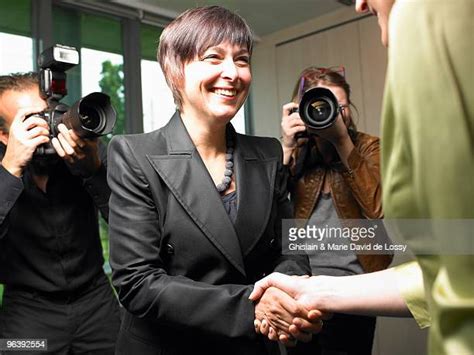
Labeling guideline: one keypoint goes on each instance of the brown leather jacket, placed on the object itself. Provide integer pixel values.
(356, 192)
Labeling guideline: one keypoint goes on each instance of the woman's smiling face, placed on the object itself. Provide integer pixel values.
(217, 83)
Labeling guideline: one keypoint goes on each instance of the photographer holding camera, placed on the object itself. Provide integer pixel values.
(334, 176)
(50, 251)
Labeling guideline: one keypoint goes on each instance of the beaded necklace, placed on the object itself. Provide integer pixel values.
(229, 164)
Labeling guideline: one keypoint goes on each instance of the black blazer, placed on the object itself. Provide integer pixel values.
(183, 271)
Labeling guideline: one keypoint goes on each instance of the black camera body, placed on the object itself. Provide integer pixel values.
(318, 109)
(91, 116)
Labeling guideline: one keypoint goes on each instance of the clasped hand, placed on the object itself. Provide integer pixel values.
(281, 314)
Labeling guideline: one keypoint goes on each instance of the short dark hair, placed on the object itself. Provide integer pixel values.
(16, 82)
(191, 34)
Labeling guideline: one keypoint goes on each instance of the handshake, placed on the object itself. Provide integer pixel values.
(286, 308)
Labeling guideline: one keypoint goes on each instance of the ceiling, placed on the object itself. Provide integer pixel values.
(263, 16)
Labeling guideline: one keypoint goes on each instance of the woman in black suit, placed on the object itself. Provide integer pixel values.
(196, 209)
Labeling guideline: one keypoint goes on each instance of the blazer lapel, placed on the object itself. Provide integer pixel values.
(186, 176)
(255, 186)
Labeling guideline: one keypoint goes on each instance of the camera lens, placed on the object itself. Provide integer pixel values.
(320, 110)
(92, 118)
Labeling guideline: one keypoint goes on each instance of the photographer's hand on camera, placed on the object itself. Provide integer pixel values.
(291, 124)
(338, 136)
(81, 154)
(25, 135)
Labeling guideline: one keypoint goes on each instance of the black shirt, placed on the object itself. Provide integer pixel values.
(230, 205)
(50, 241)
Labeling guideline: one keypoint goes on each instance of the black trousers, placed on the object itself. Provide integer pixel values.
(86, 323)
(343, 334)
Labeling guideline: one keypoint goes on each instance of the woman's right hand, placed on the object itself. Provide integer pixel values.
(291, 124)
(275, 312)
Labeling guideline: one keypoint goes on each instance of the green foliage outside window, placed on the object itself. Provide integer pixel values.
(112, 85)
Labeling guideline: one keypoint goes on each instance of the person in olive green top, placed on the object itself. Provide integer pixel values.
(427, 172)
(428, 154)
